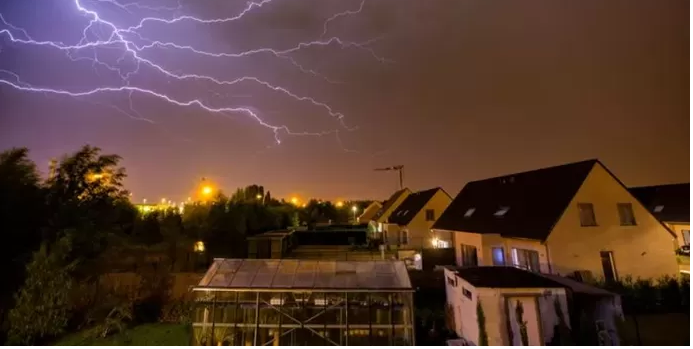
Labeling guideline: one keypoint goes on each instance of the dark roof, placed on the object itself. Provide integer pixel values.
(674, 200)
(503, 277)
(387, 204)
(408, 209)
(535, 201)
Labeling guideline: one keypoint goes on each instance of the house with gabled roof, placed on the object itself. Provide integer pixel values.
(369, 212)
(389, 206)
(671, 204)
(409, 226)
(574, 219)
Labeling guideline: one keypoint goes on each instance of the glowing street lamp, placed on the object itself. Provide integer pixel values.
(207, 190)
(339, 204)
(294, 200)
(163, 200)
(354, 209)
(258, 196)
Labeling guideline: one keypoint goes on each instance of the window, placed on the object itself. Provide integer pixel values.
(587, 218)
(686, 234)
(498, 256)
(404, 237)
(452, 282)
(625, 213)
(469, 258)
(467, 293)
(501, 211)
(608, 266)
(658, 208)
(430, 215)
(469, 212)
(526, 259)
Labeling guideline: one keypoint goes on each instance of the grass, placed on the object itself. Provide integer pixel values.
(147, 335)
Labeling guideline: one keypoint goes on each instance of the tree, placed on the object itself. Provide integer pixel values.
(42, 307)
(86, 195)
(22, 215)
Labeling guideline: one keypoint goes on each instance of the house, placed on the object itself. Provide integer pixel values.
(370, 212)
(573, 219)
(391, 204)
(671, 204)
(509, 306)
(409, 225)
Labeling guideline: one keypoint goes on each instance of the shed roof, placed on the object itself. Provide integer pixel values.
(296, 274)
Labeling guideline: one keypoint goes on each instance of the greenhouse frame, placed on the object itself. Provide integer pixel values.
(303, 302)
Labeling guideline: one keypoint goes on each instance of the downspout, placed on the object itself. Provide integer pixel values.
(548, 256)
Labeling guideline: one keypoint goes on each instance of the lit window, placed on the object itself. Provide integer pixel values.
(498, 256)
(199, 246)
(501, 211)
(659, 208)
(469, 212)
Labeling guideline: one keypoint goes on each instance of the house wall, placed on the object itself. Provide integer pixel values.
(644, 250)
(369, 212)
(419, 228)
(393, 207)
(485, 243)
(464, 309)
(493, 301)
(490, 241)
(465, 238)
(678, 229)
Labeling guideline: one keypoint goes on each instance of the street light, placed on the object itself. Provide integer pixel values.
(294, 200)
(258, 196)
(354, 209)
(206, 190)
(339, 204)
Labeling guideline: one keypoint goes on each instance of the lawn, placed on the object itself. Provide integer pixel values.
(147, 334)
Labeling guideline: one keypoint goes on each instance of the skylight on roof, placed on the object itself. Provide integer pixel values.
(501, 211)
(469, 212)
(659, 208)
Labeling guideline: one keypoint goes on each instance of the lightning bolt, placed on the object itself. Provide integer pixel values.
(101, 33)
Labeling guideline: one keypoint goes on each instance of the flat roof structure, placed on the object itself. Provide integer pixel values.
(314, 275)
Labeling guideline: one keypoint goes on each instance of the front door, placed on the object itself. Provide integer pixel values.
(524, 320)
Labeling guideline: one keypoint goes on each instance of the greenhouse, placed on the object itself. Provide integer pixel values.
(303, 302)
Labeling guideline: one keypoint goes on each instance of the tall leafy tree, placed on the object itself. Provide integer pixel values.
(21, 215)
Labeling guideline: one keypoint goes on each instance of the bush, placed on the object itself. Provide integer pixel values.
(42, 307)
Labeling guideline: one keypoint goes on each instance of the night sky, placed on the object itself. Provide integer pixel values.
(454, 90)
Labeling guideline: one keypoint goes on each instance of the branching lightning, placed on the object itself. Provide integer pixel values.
(102, 33)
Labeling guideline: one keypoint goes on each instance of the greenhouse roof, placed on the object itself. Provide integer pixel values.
(297, 274)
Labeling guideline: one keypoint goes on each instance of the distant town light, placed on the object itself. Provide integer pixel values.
(206, 190)
(258, 196)
(294, 200)
(339, 204)
(199, 246)
(163, 200)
